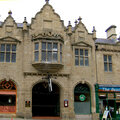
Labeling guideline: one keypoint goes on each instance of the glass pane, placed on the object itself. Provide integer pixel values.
(43, 46)
(86, 61)
(60, 57)
(13, 57)
(105, 67)
(81, 61)
(86, 52)
(49, 56)
(110, 59)
(2, 56)
(49, 46)
(13, 47)
(105, 58)
(2, 47)
(60, 48)
(110, 67)
(76, 52)
(43, 56)
(8, 47)
(36, 46)
(36, 56)
(7, 57)
(55, 47)
(55, 57)
(76, 60)
(81, 51)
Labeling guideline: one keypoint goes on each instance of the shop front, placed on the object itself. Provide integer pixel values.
(108, 98)
(7, 97)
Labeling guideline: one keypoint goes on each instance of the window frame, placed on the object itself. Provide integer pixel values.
(80, 58)
(11, 52)
(108, 63)
(54, 53)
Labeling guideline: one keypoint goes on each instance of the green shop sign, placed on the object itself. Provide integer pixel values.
(82, 97)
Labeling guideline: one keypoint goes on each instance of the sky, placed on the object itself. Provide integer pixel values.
(98, 13)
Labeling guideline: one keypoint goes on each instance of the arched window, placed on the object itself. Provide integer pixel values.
(82, 99)
(7, 97)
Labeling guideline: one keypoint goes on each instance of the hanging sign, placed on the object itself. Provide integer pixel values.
(82, 97)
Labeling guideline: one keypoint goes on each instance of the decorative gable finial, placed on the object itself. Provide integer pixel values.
(94, 32)
(69, 22)
(47, 1)
(79, 19)
(10, 13)
(93, 29)
(76, 22)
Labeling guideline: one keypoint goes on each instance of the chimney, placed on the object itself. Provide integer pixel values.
(111, 32)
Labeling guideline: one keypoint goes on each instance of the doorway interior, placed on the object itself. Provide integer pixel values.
(45, 103)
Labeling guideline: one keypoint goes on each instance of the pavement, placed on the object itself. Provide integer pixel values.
(16, 119)
(24, 119)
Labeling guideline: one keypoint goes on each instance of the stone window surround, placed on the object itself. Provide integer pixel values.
(82, 48)
(11, 52)
(59, 52)
(108, 63)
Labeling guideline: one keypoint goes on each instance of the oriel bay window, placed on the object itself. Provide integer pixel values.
(60, 53)
(81, 57)
(36, 52)
(7, 52)
(48, 52)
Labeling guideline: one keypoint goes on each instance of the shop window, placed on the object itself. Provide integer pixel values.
(7, 53)
(107, 63)
(81, 57)
(7, 97)
(82, 99)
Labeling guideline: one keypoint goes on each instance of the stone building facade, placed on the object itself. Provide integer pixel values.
(50, 70)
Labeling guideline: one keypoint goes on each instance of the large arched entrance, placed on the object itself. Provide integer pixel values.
(82, 99)
(45, 103)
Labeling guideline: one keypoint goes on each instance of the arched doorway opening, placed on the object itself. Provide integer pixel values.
(82, 99)
(8, 93)
(45, 103)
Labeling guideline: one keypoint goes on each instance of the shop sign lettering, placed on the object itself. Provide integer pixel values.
(116, 89)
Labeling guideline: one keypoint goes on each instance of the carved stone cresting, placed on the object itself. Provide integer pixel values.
(47, 35)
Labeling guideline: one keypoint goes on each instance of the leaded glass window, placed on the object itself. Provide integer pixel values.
(7, 52)
(60, 53)
(49, 52)
(81, 57)
(107, 63)
(36, 52)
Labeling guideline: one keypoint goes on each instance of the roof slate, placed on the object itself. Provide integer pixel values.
(106, 41)
(20, 25)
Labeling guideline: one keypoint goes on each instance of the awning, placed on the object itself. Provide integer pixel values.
(7, 92)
